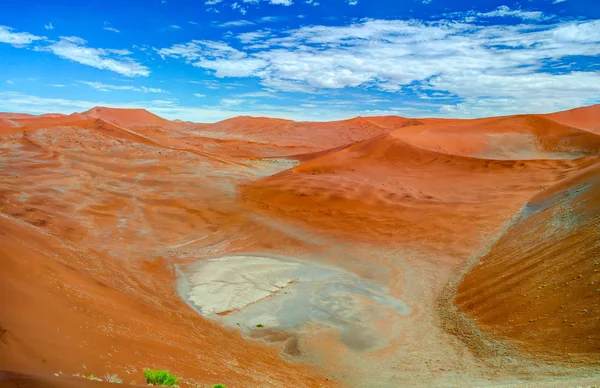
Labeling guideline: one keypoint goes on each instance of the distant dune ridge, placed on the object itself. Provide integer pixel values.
(100, 210)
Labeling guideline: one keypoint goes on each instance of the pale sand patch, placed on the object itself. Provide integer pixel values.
(234, 282)
(294, 296)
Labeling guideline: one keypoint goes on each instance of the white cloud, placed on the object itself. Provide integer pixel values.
(212, 2)
(466, 60)
(106, 87)
(108, 27)
(270, 19)
(262, 94)
(57, 85)
(75, 49)
(200, 95)
(236, 23)
(10, 82)
(216, 85)
(231, 101)
(239, 7)
(286, 3)
(17, 39)
(49, 26)
(352, 2)
(223, 59)
(558, 1)
(254, 36)
(505, 11)
(175, 27)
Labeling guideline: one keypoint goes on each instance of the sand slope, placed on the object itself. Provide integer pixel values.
(540, 283)
(101, 316)
(587, 118)
(507, 138)
(89, 210)
(313, 136)
(390, 189)
(98, 207)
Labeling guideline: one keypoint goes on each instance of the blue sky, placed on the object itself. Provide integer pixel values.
(207, 60)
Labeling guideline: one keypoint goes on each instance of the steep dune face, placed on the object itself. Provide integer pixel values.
(587, 118)
(539, 286)
(504, 138)
(128, 117)
(102, 315)
(389, 189)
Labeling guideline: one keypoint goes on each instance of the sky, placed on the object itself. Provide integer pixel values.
(318, 60)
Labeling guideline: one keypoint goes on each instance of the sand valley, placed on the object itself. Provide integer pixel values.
(257, 252)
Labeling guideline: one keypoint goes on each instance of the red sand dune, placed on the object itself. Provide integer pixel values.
(318, 136)
(98, 207)
(101, 315)
(128, 117)
(511, 138)
(583, 118)
(7, 115)
(540, 283)
(387, 188)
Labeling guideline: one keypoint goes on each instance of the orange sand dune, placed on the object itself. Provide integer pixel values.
(101, 210)
(107, 204)
(7, 123)
(317, 135)
(7, 115)
(583, 118)
(103, 315)
(513, 137)
(389, 189)
(128, 117)
(540, 283)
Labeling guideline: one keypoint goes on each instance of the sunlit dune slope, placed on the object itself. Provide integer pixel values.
(7, 123)
(507, 138)
(385, 188)
(312, 136)
(128, 117)
(103, 314)
(97, 208)
(8, 115)
(587, 118)
(89, 210)
(540, 283)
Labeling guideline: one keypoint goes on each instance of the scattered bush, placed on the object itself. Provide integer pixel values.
(260, 325)
(161, 378)
(90, 376)
(113, 378)
(219, 386)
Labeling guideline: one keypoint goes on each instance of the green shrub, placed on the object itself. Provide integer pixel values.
(219, 386)
(260, 325)
(162, 378)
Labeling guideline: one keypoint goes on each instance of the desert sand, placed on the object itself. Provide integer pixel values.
(257, 252)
